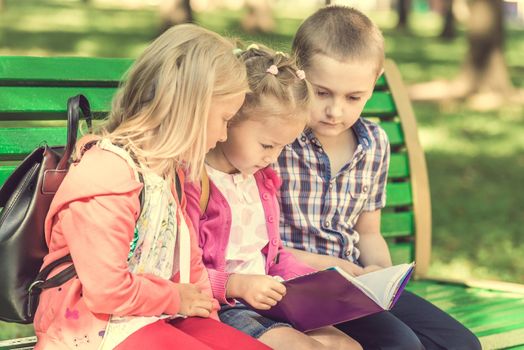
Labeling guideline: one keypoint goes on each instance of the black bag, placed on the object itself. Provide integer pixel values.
(25, 197)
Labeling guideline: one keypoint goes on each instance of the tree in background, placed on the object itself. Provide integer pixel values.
(483, 79)
(258, 17)
(175, 12)
(485, 67)
(448, 30)
(403, 9)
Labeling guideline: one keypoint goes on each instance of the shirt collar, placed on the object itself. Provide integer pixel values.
(360, 129)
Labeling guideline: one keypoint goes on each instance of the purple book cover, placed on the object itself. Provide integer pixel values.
(324, 298)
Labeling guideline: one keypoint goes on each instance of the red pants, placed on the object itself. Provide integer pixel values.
(192, 333)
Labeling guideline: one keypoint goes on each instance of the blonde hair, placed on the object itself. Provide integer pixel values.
(160, 111)
(285, 85)
(339, 32)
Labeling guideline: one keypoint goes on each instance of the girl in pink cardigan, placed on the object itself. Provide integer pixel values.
(140, 279)
(238, 231)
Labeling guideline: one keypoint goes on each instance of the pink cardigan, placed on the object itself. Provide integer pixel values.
(93, 216)
(214, 227)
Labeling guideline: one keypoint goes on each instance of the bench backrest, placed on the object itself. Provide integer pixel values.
(34, 91)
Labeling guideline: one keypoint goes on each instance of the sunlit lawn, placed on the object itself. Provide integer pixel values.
(475, 159)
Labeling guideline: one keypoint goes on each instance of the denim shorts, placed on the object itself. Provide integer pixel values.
(248, 321)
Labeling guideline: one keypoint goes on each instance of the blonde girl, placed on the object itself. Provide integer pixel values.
(140, 278)
(239, 229)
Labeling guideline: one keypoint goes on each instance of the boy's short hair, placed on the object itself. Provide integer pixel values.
(339, 32)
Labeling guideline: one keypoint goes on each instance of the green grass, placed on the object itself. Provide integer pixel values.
(475, 159)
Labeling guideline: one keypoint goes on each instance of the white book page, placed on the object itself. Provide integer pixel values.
(383, 283)
(359, 284)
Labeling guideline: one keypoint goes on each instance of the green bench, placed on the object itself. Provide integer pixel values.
(33, 95)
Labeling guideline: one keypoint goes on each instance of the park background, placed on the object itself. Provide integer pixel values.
(472, 134)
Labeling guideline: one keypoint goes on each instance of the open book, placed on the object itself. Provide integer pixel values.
(333, 296)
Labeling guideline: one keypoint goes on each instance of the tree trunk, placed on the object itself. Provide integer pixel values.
(258, 17)
(448, 30)
(483, 81)
(175, 12)
(485, 68)
(403, 9)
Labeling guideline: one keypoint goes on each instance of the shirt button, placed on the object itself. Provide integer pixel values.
(330, 186)
(274, 241)
(327, 223)
(347, 252)
(303, 138)
(365, 189)
(265, 196)
(270, 218)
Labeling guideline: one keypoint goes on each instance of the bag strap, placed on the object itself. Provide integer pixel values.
(178, 186)
(42, 282)
(204, 194)
(75, 104)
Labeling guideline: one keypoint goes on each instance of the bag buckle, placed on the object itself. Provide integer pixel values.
(32, 300)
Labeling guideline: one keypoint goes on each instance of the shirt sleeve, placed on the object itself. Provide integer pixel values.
(287, 266)
(98, 231)
(377, 196)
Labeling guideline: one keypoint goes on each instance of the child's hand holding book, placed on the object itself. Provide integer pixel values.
(260, 291)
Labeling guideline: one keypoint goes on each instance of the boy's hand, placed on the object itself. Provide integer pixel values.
(371, 268)
(193, 302)
(351, 268)
(260, 291)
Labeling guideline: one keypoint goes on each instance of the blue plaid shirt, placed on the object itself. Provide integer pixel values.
(319, 210)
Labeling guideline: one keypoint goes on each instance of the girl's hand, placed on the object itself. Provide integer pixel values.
(193, 302)
(260, 291)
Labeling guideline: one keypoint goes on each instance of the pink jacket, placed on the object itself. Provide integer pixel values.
(93, 216)
(214, 227)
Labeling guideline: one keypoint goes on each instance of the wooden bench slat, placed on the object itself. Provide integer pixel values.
(401, 252)
(397, 224)
(50, 100)
(20, 343)
(394, 132)
(62, 71)
(16, 143)
(380, 105)
(5, 171)
(485, 312)
(23, 103)
(398, 194)
(398, 165)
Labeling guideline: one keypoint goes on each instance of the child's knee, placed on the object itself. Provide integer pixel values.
(409, 341)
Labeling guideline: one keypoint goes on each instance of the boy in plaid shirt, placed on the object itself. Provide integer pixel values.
(334, 178)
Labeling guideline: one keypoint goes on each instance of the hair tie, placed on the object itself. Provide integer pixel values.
(272, 69)
(282, 54)
(253, 46)
(301, 74)
(237, 52)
